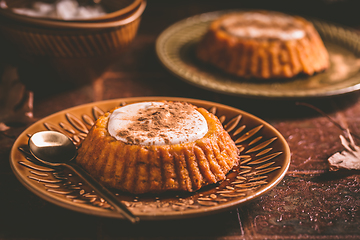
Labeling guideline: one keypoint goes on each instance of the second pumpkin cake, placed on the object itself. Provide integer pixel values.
(264, 45)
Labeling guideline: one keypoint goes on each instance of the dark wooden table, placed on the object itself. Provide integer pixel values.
(311, 202)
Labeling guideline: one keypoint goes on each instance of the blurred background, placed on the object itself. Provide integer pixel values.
(43, 72)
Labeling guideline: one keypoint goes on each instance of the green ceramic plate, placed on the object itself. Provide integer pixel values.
(175, 49)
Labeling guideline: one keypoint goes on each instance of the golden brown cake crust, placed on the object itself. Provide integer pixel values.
(158, 168)
(263, 57)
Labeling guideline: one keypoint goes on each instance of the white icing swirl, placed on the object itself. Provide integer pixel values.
(262, 25)
(157, 123)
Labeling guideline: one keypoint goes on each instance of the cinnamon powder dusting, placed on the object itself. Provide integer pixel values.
(155, 121)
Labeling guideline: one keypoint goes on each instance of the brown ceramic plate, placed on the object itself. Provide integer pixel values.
(175, 49)
(265, 158)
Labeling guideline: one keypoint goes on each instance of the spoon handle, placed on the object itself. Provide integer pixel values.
(103, 192)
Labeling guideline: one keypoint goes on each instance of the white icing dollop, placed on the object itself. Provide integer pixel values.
(157, 123)
(262, 25)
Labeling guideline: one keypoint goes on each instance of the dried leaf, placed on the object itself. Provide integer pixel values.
(349, 158)
(3, 127)
(16, 103)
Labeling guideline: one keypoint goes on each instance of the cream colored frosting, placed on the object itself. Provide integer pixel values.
(157, 123)
(263, 25)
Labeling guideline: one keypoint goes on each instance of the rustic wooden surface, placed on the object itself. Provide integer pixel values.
(309, 203)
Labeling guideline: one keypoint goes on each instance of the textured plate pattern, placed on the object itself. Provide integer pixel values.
(175, 49)
(265, 158)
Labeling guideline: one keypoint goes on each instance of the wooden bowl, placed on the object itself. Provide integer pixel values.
(70, 47)
(113, 8)
(42, 37)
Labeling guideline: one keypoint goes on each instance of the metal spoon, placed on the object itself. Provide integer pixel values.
(56, 149)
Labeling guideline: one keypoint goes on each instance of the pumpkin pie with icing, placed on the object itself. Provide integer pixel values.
(263, 45)
(156, 147)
